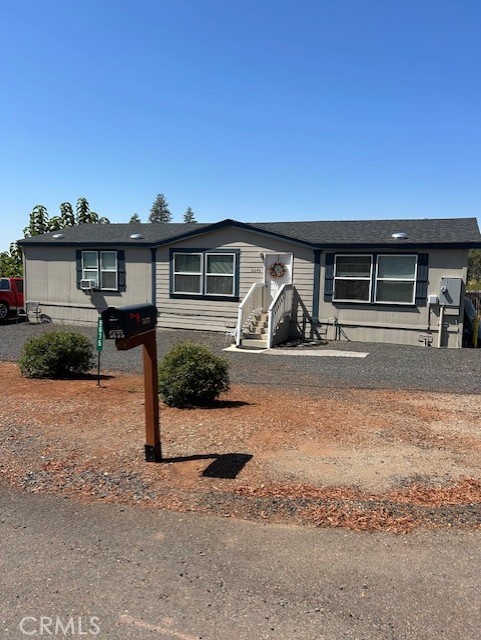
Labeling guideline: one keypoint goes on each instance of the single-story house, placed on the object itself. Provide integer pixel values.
(394, 281)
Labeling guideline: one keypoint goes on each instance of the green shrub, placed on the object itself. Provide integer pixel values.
(56, 354)
(190, 375)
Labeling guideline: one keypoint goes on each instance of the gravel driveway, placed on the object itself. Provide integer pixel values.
(385, 366)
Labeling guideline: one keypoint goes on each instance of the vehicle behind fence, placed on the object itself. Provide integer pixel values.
(475, 297)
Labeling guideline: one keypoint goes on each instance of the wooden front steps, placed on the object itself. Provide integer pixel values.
(255, 337)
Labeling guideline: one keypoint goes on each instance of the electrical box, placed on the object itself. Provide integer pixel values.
(128, 321)
(450, 292)
(432, 299)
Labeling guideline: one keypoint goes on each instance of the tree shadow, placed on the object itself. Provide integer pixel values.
(223, 465)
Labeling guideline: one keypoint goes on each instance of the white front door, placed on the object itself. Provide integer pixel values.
(278, 271)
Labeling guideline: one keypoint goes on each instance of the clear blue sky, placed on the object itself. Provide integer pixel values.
(251, 109)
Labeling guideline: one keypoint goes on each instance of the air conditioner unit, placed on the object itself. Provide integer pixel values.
(87, 285)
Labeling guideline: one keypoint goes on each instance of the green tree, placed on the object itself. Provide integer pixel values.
(160, 210)
(11, 265)
(86, 216)
(38, 222)
(474, 265)
(67, 215)
(189, 215)
(135, 219)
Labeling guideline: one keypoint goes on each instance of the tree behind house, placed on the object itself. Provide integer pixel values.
(38, 222)
(189, 215)
(86, 216)
(474, 268)
(11, 265)
(160, 210)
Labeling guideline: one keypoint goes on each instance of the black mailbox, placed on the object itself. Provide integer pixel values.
(128, 321)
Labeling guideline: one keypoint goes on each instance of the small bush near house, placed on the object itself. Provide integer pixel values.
(190, 375)
(56, 354)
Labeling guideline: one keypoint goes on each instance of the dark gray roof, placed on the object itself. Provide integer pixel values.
(372, 233)
(113, 233)
(379, 232)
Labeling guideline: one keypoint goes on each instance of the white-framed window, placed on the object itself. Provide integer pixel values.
(219, 274)
(209, 273)
(353, 278)
(396, 278)
(102, 268)
(188, 273)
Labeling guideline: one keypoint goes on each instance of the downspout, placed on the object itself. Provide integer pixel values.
(317, 286)
(153, 275)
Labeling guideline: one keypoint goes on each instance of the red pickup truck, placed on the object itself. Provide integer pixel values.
(11, 297)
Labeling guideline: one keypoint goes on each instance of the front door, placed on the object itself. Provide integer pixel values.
(278, 271)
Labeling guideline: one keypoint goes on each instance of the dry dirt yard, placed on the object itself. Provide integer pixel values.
(370, 460)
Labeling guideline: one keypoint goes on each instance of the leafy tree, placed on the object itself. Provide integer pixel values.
(11, 265)
(67, 215)
(160, 210)
(474, 265)
(38, 222)
(135, 219)
(189, 215)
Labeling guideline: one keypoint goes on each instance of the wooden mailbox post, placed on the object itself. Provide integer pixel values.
(134, 326)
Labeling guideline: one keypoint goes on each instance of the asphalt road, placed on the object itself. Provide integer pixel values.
(130, 573)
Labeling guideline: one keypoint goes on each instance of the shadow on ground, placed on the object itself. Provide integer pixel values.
(226, 465)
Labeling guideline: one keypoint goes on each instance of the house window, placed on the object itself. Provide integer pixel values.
(377, 278)
(219, 276)
(352, 278)
(188, 273)
(204, 273)
(396, 278)
(102, 268)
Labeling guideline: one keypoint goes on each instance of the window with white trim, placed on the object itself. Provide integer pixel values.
(102, 268)
(204, 274)
(396, 278)
(353, 278)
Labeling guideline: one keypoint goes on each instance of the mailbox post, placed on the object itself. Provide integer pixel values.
(132, 326)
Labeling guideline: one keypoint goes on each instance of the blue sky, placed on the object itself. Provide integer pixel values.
(254, 110)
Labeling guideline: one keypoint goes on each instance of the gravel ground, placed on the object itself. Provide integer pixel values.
(386, 366)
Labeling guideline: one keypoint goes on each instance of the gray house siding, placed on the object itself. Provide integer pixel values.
(398, 324)
(215, 315)
(51, 279)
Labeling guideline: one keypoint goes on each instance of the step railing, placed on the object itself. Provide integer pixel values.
(253, 303)
(279, 309)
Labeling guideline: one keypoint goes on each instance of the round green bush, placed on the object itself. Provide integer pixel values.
(190, 375)
(56, 354)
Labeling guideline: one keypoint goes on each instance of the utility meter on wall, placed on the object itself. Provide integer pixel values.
(450, 292)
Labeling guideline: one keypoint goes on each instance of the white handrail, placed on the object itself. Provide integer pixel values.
(253, 301)
(279, 308)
